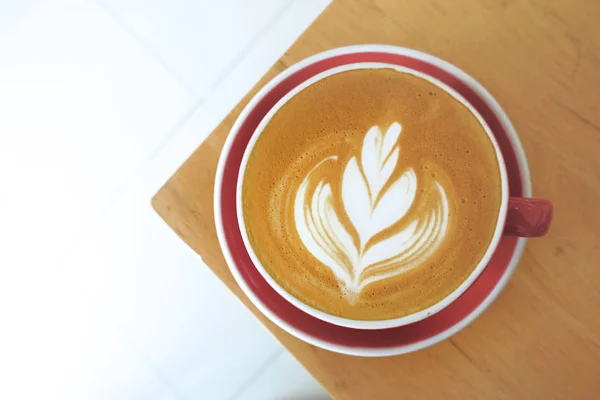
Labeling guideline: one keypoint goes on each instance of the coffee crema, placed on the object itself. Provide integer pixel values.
(371, 194)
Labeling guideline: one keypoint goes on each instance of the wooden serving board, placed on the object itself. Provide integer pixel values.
(541, 60)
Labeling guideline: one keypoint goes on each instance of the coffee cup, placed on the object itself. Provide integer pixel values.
(358, 210)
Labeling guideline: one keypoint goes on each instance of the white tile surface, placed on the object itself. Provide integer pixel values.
(283, 379)
(98, 107)
(11, 12)
(82, 107)
(184, 140)
(163, 298)
(116, 373)
(267, 49)
(199, 40)
(55, 345)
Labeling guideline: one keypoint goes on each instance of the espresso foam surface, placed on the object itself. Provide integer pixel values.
(371, 194)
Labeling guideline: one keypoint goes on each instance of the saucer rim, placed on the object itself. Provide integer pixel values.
(356, 350)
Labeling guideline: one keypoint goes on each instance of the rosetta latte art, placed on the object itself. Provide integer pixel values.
(359, 255)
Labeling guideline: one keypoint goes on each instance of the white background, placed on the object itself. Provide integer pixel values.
(100, 102)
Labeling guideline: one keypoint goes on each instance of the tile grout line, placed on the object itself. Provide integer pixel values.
(131, 179)
(257, 374)
(225, 71)
(237, 60)
(158, 372)
(148, 49)
(189, 112)
(200, 99)
(186, 115)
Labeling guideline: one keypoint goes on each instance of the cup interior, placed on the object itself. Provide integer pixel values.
(373, 324)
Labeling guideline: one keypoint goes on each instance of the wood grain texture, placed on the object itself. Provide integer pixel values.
(541, 60)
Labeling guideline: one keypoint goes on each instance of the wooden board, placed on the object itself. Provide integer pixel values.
(541, 60)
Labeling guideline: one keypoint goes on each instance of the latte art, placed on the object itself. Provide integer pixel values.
(373, 203)
(370, 194)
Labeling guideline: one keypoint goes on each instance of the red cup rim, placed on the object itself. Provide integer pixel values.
(318, 332)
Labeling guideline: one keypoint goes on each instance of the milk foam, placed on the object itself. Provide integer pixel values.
(373, 204)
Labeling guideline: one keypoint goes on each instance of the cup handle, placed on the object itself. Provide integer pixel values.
(527, 217)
